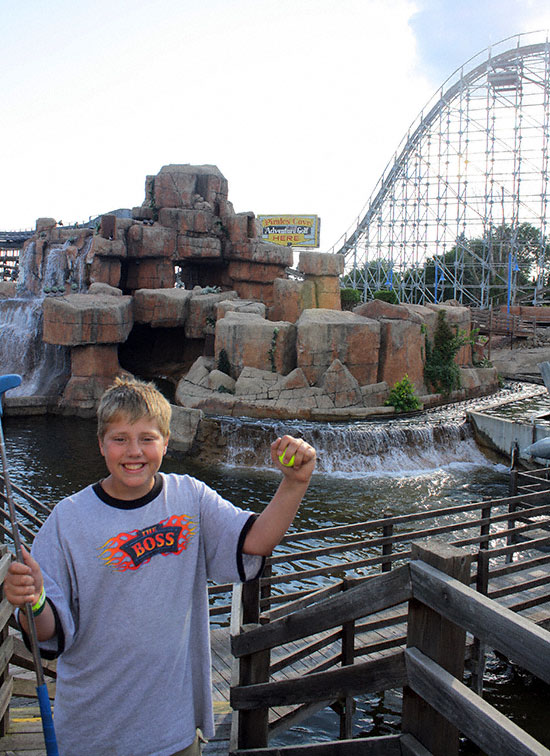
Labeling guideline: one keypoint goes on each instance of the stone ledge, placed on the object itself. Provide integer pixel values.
(29, 405)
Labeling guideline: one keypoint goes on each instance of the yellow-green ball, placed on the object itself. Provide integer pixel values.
(286, 464)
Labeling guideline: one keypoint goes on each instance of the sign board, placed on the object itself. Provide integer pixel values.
(291, 230)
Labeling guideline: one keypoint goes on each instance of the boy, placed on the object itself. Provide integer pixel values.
(117, 584)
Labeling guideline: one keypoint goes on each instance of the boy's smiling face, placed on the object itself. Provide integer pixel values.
(133, 454)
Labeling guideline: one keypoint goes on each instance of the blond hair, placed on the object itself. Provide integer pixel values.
(133, 400)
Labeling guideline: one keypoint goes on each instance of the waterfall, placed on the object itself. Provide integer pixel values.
(44, 367)
(360, 448)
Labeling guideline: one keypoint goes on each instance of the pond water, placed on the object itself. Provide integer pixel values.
(365, 471)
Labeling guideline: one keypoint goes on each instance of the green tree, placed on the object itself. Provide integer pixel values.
(487, 261)
(376, 273)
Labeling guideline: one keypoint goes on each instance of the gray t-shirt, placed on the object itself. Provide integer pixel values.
(128, 583)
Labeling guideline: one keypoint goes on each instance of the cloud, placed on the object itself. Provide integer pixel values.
(448, 33)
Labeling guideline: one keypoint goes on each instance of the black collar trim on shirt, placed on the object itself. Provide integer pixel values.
(132, 503)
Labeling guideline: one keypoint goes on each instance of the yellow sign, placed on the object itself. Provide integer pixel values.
(291, 230)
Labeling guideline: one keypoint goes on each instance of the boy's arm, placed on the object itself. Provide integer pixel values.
(272, 524)
(23, 585)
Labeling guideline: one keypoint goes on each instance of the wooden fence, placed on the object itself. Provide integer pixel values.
(519, 323)
(437, 706)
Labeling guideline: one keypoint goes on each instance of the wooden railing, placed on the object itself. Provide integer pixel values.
(297, 569)
(360, 550)
(6, 645)
(437, 706)
(12, 648)
(494, 322)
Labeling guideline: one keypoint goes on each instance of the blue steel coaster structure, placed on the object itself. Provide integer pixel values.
(461, 209)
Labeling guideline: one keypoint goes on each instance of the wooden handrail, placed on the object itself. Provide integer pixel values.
(426, 672)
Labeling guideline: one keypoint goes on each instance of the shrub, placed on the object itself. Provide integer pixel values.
(440, 370)
(402, 396)
(349, 298)
(386, 296)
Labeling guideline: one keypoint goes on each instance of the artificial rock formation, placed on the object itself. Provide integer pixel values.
(342, 366)
(325, 335)
(251, 341)
(402, 341)
(170, 287)
(186, 229)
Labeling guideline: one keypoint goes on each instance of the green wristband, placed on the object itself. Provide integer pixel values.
(40, 604)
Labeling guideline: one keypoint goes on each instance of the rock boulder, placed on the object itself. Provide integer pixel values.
(202, 309)
(402, 346)
(340, 385)
(252, 341)
(87, 319)
(161, 307)
(326, 335)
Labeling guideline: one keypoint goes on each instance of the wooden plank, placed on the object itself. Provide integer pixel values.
(5, 562)
(301, 603)
(473, 716)
(328, 570)
(374, 648)
(397, 619)
(501, 629)
(6, 652)
(21, 743)
(368, 525)
(387, 745)
(519, 587)
(376, 594)
(365, 677)
(521, 605)
(524, 564)
(27, 688)
(411, 747)
(22, 657)
(6, 610)
(6, 691)
(295, 716)
(34, 725)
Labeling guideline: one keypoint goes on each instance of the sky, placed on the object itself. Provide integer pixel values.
(300, 103)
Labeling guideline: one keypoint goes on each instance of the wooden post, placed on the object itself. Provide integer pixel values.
(511, 537)
(249, 728)
(253, 723)
(443, 642)
(348, 657)
(478, 648)
(490, 329)
(387, 532)
(265, 589)
(485, 528)
(251, 602)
